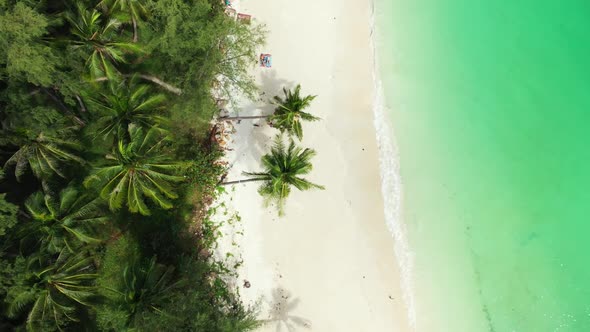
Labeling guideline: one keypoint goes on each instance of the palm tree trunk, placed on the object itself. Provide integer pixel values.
(212, 139)
(134, 30)
(152, 79)
(63, 107)
(81, 103)
(237, 118)
(161, 83)
(239, 181)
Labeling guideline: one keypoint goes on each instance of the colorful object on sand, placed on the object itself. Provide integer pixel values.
(265, 60)
(244, 18)
(228, 3)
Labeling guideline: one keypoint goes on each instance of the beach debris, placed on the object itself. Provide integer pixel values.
(391, 297)
(244, 18)
(221, 133)
(266, 60)
(231, 12)
(221, 103)
(246, 283)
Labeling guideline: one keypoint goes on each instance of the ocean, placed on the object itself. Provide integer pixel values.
(489, 106)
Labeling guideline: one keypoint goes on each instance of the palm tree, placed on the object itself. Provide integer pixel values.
(44, 154)
(144, 287)
(53, 290)
(126, 103)
(289, 112)
(282, 170)
(63, 223)
(137, 171)
(134, 8)
(99, 42)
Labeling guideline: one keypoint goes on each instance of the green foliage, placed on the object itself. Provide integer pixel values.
(137, 171)
(24, 56)
(67, 222)
(50, 291)
(206, 304)
(135, 10)
(124, 104)
(205, 170)
(8, 213)
(199, 43)
(142, 287)
(289, 112)
(37, 138)
(70, 72)
(44, 154)
(282, 170)
(98, 42)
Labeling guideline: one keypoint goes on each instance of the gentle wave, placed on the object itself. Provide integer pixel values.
(391, 182)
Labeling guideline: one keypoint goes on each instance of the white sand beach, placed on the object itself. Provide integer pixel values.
(329, 263)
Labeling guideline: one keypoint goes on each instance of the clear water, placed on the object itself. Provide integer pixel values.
(490, 104)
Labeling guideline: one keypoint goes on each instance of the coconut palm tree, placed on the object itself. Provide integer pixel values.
(289, 112)
(282, 170)
(52, 290)
(136, 171)
(125, 103)
(135, 9)
(44, 154)
(99, 42)
(143, 287)
(61, 223)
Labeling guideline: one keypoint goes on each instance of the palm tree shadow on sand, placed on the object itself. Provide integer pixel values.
(272, 85)
(280, 313)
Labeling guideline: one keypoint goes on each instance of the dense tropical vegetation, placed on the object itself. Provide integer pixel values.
(105, 111)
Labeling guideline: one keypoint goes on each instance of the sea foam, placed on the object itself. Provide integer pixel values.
(391, 182)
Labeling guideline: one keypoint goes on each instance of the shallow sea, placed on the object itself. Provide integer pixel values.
(490, 106)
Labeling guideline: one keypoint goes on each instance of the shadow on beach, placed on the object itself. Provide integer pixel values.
(259, 138)
(271, 85)
(281, 312)
(257, 141)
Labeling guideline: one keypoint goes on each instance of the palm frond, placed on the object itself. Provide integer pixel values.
(65, 222)
(21, 301)
(140, 172)
(289, 112)
(282, 168)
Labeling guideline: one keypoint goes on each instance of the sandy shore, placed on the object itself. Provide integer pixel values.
(329, 264)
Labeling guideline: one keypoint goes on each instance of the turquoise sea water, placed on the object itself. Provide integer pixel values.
(490, 104)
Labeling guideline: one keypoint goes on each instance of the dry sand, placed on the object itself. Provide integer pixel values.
(329, 264)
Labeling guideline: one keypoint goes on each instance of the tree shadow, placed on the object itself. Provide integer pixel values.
(271, 85)
(257, 142)
(258, 136)
(281, 308)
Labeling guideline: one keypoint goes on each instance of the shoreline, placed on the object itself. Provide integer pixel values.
(391, 182)
(329, 264)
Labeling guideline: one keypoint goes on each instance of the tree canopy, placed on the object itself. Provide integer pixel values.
(105, 112)
(283, 168)
(136, 171)
(289, 112)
